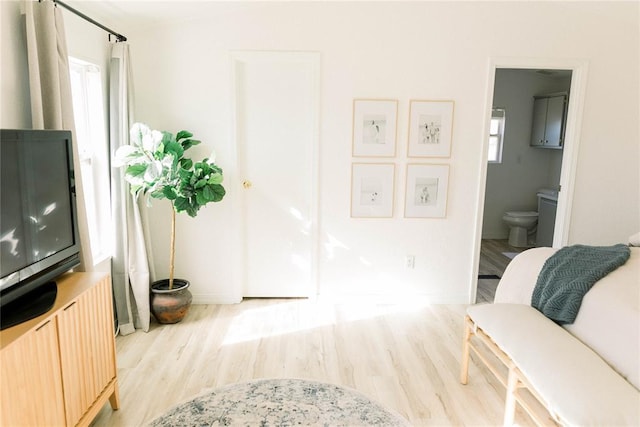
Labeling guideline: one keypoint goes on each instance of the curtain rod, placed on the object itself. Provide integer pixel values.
(119, 37)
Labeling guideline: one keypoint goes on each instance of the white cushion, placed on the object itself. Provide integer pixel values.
(521, 275)
(573, 380)
(609, 317)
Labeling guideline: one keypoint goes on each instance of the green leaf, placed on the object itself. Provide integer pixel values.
(174, 148)
(185, 174)
(186, 163)
(159, 154)
(183, 134)
(202, 164)
(157, 194)
(169, 192)
(188, 143)
(192, 211)
(135, 170)
(207, 194)
(201, 198)
(214, 192)
(201, 183)
(216, 178)
(181, 204)
(167, 137)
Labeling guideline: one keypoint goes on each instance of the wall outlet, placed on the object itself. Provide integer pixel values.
(410, 261)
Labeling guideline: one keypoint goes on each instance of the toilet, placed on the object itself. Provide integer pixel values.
(521, 224)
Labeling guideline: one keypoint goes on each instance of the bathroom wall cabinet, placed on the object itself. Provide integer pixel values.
(60, 368)
(549, 116)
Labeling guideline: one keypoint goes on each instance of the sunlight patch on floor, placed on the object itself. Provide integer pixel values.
(303, 315)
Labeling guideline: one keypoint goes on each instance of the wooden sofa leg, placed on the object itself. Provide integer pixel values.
(464, 366)
(510, 403)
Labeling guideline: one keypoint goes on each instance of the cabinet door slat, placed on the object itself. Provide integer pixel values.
(31, 380)
(88, 351)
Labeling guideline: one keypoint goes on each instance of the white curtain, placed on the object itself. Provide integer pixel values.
(50, 88)
(130, 266)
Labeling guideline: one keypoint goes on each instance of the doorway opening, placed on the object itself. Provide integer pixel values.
(530, 152)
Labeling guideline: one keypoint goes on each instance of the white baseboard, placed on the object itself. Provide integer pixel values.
(395, 299)
(211, 299)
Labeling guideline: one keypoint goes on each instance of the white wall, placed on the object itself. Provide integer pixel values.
(411, 50)
(513, 184)
(405, 51)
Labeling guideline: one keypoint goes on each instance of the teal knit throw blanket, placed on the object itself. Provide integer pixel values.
(567, 276)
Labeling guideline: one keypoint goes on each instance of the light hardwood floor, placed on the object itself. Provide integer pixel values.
(492, 262)
(406, 357)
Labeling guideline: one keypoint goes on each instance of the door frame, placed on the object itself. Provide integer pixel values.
(571, 147)
(239, 207)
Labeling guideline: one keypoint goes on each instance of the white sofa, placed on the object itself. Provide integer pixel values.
(585, 373)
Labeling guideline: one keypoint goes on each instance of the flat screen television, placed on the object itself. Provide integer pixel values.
(39, 237)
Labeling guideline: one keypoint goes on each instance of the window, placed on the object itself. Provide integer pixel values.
(496, 135)
(88, 110)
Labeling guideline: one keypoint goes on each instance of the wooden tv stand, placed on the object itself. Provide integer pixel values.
(60, 368)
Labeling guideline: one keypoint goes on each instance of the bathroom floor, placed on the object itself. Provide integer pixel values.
(492, 266)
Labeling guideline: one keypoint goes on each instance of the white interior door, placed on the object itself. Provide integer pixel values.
(276, 132)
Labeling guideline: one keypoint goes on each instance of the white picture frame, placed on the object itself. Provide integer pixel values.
(430, 128)
(372, 190)
(426, 191)
(374, 127)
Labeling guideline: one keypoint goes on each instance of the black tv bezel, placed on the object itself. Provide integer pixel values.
(28, 279)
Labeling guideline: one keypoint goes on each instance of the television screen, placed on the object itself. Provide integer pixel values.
(38, 232)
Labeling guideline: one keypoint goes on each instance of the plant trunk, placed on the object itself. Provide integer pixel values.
(173, 245)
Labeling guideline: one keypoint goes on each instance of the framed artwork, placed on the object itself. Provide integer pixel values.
(372, 187)
(427, 187)
(374, 127)
(430, 127)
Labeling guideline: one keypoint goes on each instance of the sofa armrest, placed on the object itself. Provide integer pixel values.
(519, 279)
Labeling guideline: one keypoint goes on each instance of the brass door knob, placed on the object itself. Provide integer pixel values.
(246, 184)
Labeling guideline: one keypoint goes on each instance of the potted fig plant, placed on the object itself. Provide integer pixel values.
(156, 165)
